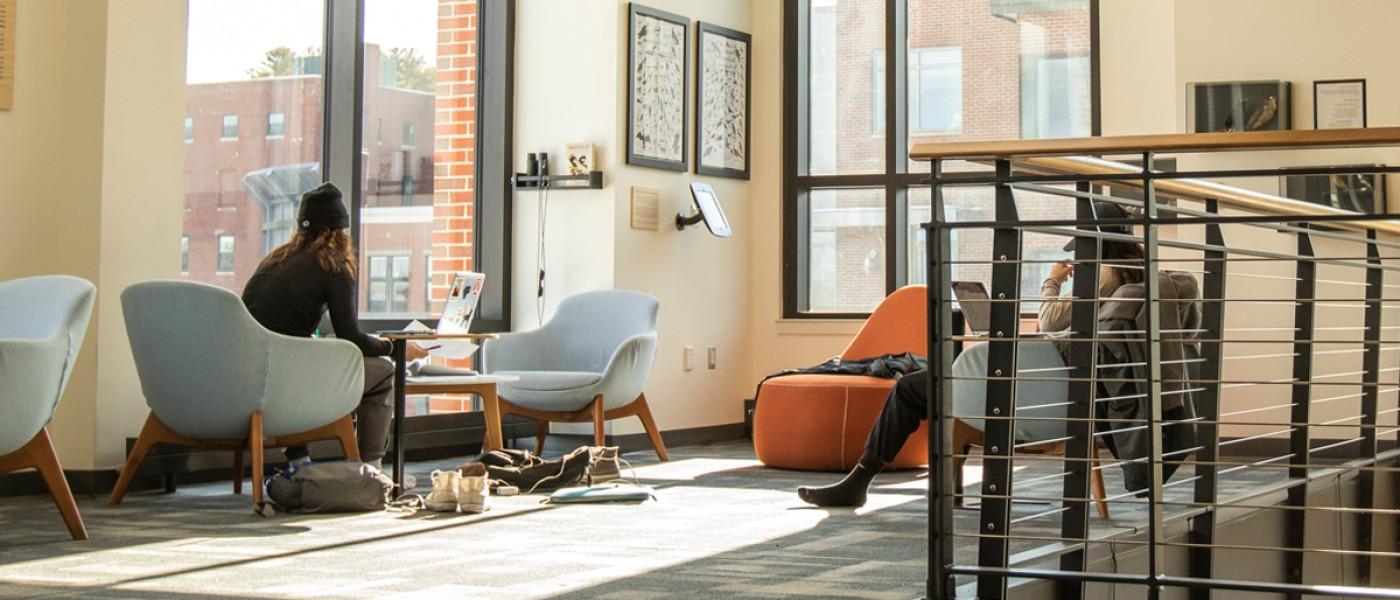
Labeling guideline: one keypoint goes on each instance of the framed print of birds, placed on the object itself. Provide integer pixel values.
(1239, 106)
(658, 67)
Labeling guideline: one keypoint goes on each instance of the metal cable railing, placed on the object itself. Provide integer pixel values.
(1183, 407)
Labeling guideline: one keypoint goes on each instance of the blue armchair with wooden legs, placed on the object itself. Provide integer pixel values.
(588, 363)
(216, 379)
(42, 324)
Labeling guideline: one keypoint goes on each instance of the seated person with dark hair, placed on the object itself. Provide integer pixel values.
(907, 404)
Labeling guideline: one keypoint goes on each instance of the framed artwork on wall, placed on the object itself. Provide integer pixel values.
(722, 101)
(658, 67)
(1339, 104)
(1239, 106)
(1357, 192)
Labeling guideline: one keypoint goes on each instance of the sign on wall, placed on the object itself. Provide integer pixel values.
(7, 54)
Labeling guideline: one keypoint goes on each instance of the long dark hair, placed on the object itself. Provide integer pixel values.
(333, 249)
(1130, 256)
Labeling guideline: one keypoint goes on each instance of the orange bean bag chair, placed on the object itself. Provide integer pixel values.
(820, 422)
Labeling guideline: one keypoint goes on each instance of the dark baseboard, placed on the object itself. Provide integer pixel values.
(425, 438)
(432, 437)
(460, 434)
(560, 443)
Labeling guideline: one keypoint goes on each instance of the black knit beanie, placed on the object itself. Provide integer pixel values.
(321, 208)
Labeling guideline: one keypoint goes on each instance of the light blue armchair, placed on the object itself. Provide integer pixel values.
(42, 323)
(216, 379)
(590, 362)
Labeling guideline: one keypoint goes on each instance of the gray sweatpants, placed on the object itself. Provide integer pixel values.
(373, 416)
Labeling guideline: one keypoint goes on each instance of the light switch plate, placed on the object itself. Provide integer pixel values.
(689, 360)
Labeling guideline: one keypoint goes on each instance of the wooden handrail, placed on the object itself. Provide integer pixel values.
(1200, 189)
(1174, 142)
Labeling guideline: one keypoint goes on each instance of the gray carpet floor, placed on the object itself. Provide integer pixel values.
(722, 526)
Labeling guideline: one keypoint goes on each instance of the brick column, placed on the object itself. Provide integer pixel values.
(454, 138)
(454, 161)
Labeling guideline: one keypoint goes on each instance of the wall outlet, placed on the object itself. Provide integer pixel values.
(714, 357)
(689, 360)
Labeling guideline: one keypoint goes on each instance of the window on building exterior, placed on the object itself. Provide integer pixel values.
(971, 70)
(410, 136)
(189, 129)
(229, 128)
(184, 254)
(225, 263)
(276, 124)
(935, 90)
(389, 280)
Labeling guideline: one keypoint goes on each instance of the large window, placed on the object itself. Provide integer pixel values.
(420, 66)
(966, 70)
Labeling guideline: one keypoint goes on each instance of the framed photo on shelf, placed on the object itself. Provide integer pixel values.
(1339, 104)
(722, 101)
(581, 159)
(658, 67)
(1238, 106)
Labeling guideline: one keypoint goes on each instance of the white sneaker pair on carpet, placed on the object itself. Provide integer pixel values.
(465, 490)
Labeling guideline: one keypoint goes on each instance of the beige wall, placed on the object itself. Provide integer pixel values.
(92, 185)
(571, 78)
(777, 343)
(1151, 50)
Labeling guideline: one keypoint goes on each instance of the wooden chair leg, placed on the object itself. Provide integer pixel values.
(149, 434)
(491, 405)
(541, 432)
(255, 446)
(345, 433)
(1096, 479)
(238, 472)
(648, 423)
(597, 408)
(39, 454)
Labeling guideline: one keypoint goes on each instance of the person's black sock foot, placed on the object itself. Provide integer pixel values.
(850, 491)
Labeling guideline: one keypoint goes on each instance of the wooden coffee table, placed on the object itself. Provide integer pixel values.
(481, 385)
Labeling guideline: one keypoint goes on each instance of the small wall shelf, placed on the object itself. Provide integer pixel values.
(593, 180)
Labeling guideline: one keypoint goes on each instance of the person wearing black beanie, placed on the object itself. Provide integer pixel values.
(311, 274)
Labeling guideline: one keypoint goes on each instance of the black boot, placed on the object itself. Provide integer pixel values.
(850, 491)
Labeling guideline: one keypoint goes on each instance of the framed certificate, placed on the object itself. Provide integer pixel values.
(1339, 104)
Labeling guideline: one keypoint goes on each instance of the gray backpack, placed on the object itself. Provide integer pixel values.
(330, 487)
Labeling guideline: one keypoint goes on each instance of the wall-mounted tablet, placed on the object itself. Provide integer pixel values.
(709, 210)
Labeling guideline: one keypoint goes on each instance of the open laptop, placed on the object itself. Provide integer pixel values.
(460, 308)
(975, 303)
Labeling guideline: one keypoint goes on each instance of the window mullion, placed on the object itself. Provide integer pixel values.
(896, 142)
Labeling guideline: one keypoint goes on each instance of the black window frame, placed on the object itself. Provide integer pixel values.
(896, 180)
(343, 132)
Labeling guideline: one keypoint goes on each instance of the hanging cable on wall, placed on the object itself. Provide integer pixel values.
(543, 219)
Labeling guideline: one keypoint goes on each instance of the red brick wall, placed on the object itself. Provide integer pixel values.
(454, 137)
(454, 159)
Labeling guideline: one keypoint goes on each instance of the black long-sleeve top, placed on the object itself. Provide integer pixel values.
(290, 298)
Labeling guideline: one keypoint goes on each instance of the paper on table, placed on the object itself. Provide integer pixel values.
(442, 348)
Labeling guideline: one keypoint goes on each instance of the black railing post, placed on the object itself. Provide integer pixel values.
(1370, 401)
(1000, 440)
(1202, 526)
(1079, 427)
(1304, 312)
(940, 392)
(1153, 357)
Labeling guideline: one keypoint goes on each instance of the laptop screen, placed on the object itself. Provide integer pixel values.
(460, 309)
(975, 304)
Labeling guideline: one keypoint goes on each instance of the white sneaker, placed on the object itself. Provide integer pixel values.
(473, 490)
(444, 496)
